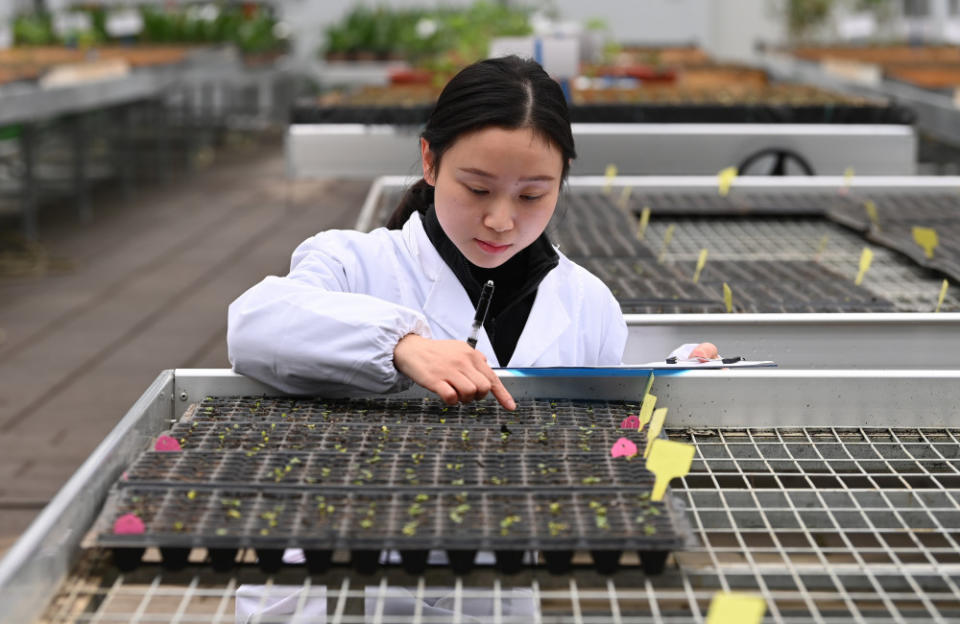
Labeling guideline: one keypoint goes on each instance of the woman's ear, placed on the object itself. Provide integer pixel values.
(426, 159)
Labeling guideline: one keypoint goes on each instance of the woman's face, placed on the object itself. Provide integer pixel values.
(496, 190)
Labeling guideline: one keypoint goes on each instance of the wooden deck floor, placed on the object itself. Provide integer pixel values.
(148, 290)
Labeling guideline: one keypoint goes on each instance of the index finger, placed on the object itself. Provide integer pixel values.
(499, 391)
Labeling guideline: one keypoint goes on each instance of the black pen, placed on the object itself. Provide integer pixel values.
(482, 306)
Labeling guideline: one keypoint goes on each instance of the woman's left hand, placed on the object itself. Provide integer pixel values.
(705, 351)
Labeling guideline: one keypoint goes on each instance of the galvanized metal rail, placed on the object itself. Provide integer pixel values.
(357, 150)
(851, 516)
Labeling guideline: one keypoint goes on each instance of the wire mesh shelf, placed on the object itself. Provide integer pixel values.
(826, 524)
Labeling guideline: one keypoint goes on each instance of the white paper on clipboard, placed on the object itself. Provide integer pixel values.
(686, 364)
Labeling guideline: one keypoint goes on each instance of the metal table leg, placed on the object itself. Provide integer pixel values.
(29, 187)
(80, 187)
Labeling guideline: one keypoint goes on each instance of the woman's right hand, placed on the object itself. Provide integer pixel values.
(450, 368)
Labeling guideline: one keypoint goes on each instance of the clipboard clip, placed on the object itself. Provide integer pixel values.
(730, 360)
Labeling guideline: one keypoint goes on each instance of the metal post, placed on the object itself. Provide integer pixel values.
(80, 187)
(29, 190)
(121, 159)
(161, 136)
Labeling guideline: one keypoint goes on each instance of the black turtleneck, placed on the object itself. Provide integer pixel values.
(516, 282)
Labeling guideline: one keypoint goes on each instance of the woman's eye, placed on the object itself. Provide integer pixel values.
(476, 191)
(530, 198)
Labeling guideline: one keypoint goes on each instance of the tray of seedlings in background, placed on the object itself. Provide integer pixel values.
(556, 523)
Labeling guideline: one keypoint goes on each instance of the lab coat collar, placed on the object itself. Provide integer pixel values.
(448, 306)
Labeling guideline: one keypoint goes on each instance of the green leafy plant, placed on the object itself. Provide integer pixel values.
(433, 38)
(803, 16)
(33, 29)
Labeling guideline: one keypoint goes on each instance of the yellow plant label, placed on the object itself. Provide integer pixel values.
(848, 177)
(822, 246)
(667, 237)
(701, 262)
(871, 209)
(646, 409)
(609, 174)
(644, 222)
(624, 200)
(926, 238)
(865, 259)
(646, 390)
(728, 298)
(736, 608)
(668, 460)
(943, 294)
(656, 425)
(725, 180)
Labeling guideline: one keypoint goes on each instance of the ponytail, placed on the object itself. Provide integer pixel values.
(418, 198)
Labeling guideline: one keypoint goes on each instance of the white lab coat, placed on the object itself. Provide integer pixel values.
(333, 322)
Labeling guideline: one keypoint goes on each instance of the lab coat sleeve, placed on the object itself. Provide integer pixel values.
(317, 329)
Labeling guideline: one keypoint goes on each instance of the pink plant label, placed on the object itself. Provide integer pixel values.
(630, 422)
(166, 444)
(128, 524)
(623, 448)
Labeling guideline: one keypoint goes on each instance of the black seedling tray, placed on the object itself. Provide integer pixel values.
(416, 115)
(258, 437)
(645, 286)
(556, 522)
(284, 470)
(711, 204)
(390, 411)
(898, 214)
(413, 475)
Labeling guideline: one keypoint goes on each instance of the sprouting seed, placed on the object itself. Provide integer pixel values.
(508, 522)
(556, 528)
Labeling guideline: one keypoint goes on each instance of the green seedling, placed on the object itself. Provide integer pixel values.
(456, 515)
(508, 522)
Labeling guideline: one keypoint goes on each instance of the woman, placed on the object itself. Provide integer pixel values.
(373, 311)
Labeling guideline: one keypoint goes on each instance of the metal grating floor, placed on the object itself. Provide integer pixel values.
(827, 524)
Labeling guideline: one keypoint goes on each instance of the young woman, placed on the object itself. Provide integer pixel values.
(377, 310)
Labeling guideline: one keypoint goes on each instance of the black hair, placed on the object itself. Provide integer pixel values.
(507, 92)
